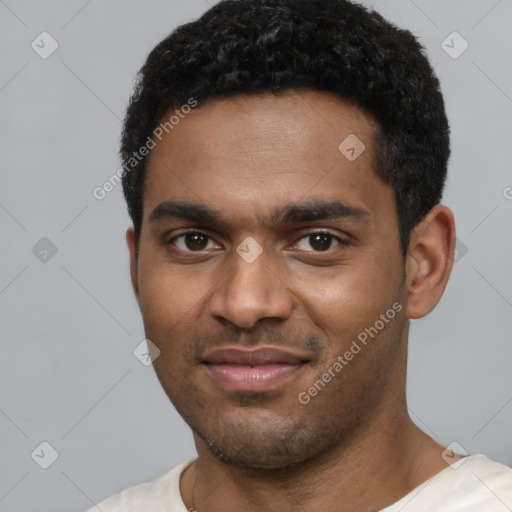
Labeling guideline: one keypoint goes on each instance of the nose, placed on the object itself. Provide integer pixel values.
(250, 292)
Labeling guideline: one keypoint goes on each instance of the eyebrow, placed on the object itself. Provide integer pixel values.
(312, 210)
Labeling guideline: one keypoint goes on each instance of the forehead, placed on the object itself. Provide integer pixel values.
(248, 154)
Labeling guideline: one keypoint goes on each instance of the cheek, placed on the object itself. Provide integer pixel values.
(167, 295)
(345, 300)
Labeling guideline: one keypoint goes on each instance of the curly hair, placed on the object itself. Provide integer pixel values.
(254, 46)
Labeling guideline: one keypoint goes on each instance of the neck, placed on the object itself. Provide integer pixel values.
(377, 468)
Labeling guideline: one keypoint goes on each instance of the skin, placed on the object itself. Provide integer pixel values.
(353, 446)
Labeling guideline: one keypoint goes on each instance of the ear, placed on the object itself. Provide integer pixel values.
(132, 247)
(429, 261)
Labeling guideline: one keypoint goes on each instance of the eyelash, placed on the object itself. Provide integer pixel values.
(340, 241)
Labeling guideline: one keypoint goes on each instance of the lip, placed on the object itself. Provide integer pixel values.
(259, 369)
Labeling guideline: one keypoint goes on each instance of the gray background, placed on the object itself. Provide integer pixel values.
(70, 324)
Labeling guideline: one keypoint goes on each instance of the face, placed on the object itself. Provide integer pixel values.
(265, 254)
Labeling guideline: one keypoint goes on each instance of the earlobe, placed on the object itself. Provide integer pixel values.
(132, 247)
(429, 261)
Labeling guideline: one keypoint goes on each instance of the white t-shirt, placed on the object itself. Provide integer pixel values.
(474, 484)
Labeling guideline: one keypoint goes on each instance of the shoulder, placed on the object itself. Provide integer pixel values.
(163, 491)
(473, 484)
(492, 480)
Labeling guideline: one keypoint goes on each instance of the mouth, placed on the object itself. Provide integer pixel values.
(258, 369)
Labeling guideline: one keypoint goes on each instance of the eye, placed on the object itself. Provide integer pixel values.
(319, 242)
(193, 241)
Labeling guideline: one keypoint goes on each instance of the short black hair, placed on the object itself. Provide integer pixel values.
(255, 46)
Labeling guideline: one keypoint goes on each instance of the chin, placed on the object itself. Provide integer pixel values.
(264, 443)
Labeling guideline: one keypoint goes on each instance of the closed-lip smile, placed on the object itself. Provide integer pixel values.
(255, 369)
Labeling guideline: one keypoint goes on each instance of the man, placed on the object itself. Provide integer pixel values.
(284, 163)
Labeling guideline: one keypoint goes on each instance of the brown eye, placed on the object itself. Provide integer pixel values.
(191, 242)
(318, 242)
(196, 241)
